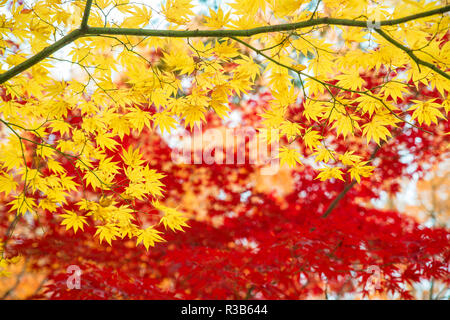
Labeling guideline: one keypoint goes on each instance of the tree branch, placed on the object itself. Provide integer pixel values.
(87, 11)
(411, 54)
(40, 56)
(85, 30)
(254, 31)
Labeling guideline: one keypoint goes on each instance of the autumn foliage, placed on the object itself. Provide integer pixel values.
(88, 176)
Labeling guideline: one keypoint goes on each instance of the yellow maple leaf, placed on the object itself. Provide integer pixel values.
(7, 183)
(329, 173)
(359, 170)
(323, 154)
(290, 129)
(172, 218)
(164, 121)
(348, 158)
(312, 138)
(177, 11)
(72, 220)
(376, 130)
(426, 111)
(148, 237)
(289, 156)
(217, 20)
(107, 232)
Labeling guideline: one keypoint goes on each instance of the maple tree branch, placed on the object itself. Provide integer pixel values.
(85, 30)
(258, 30)
(87, 11)
(411, 54)
(40, 56)
(336, 200)
(347, 188)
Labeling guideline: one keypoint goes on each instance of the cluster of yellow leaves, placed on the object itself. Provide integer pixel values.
(356, 167)
(352, 111)
(114, 221)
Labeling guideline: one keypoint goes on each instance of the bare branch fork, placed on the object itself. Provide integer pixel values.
(85, 31)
